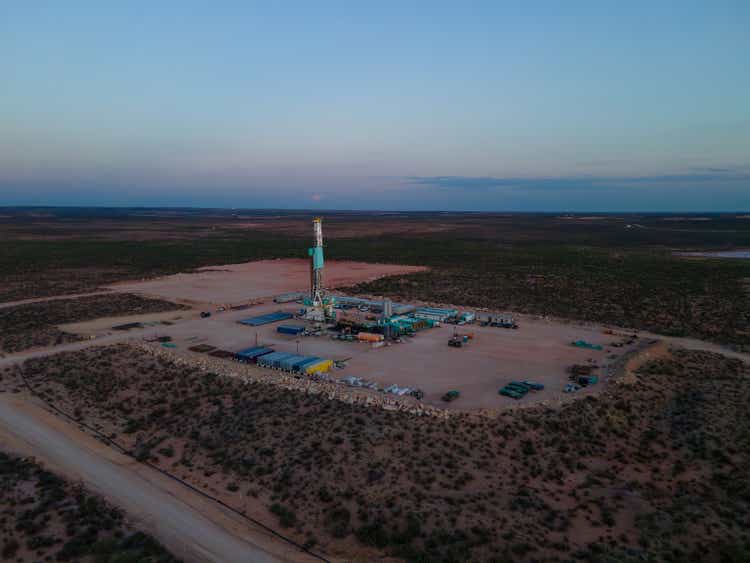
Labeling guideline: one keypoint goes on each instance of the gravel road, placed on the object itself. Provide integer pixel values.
(160, 505)
(7, 304)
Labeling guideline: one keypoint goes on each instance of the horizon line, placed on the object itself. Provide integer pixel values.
(362, 210)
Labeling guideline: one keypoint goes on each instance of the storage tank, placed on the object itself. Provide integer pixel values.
(369, 337)
(387, 308)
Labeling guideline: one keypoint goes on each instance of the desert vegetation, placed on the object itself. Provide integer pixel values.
(45, 518)
(615, 269)
(648, 290)
(35, 324)
(653, 468)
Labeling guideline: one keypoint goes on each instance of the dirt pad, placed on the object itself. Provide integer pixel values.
(234, 283)
(539, 350)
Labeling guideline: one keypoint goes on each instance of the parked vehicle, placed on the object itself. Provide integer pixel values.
(586, 380)
(457, 341)
(571, 388)
(517, 387)
(451, 396)
(508, 392)
(205, 314)
(586, 345)
(533, 385)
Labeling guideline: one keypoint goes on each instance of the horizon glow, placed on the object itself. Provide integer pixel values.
(413, 105)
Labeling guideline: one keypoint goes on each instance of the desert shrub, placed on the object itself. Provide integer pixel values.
(287, 517)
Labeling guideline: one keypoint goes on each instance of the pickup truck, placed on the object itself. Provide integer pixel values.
(451, 396)
(518, 386)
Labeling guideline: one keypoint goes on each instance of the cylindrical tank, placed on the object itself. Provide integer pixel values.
(387, 308)
(369, 337)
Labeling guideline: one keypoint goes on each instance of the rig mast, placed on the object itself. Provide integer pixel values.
(316, 264)
(319, 304)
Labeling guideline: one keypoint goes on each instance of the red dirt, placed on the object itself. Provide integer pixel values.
(235, 283)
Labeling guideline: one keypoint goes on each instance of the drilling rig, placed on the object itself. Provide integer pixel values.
(319, 304)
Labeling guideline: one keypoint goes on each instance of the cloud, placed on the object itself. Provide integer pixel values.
(719, 170)
(707, 177)
(487, 183)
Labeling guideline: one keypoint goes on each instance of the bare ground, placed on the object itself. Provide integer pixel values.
(234, 283)
(539, 350)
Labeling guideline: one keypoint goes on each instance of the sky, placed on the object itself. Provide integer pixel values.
(414, 105)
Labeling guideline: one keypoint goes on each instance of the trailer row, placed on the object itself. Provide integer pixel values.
(283, 361)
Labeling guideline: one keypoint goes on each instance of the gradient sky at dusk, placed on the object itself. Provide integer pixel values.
(596, 105)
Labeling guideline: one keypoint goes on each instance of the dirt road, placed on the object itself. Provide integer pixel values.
(21, 357)
(7, 304)
(192, 527)
(699, 345)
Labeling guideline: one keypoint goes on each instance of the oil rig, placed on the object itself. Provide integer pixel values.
(319, 303)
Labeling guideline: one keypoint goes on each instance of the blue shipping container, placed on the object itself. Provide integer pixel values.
(290, 329)
(277, 361)
(287, 363)
(308, 362)
(269, 360)
(304, 361)
(252, 354)
(266, 319)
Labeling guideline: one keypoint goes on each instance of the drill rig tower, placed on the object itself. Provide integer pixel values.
(316, 264)
(320, 306)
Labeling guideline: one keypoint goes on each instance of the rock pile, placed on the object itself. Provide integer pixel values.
(330, 389)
